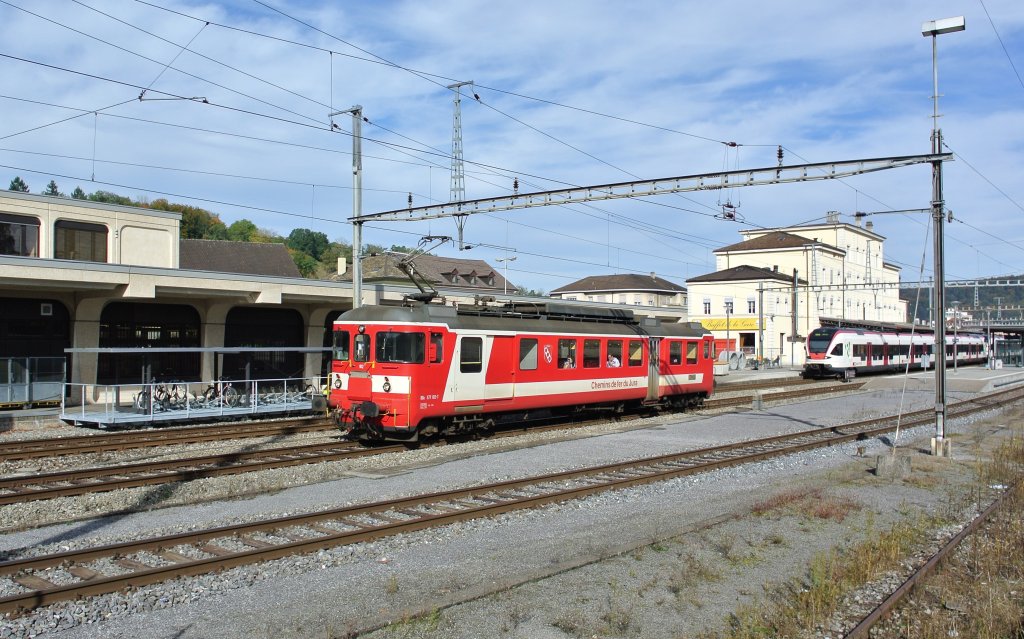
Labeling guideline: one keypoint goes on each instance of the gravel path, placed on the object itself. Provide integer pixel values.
(663, 560)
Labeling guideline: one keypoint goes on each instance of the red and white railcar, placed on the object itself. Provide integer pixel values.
(847, 352)
(401, 373)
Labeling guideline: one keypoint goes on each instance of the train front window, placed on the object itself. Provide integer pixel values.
(400, 348)
(818, 342)
(362, 348)
(341, 339)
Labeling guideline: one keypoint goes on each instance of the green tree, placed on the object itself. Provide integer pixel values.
(529, 291)
(242, 231)
(312, 243)
(52, 190)
(110, 198)
(306, 264)
(78, 194)
(268, 236)
(196, 223)
(18, 184)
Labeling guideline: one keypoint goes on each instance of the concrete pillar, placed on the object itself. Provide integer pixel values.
(315, 330)
(212, 331)
(85, 333)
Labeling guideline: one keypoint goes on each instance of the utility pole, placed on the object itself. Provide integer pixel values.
(760, 323)
(458, 192)
(940, 446)
(357, 202)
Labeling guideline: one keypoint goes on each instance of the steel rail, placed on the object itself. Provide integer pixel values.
(26, 488)
(301, 533)
(57, 446)
(38, 486)
(862, 629)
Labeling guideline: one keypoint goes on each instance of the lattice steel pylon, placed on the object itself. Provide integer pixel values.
(458, 192)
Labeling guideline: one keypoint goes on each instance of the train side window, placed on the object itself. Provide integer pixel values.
(614, 353)
(471, 360)
(436, 348)
(675, 353)
(636, 353)
(837, 350)
(341, 345)
(691, 353)
(566, 353)
(362, 347)
(527, 354)
(591, 353)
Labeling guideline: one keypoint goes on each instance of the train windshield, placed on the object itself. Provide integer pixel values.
(818, 341)
(341, 345)
(402, 348)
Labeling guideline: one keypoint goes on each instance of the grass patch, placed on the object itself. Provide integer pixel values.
(814, 503)
(977, 595)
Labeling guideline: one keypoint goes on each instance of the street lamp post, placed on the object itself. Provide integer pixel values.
(934, 28)
(505, 261)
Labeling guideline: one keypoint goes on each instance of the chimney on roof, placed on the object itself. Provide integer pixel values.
(869, 225)
(857, 219)
(652, 275)
(832, 217)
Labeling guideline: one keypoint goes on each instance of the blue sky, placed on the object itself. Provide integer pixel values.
(827, 81)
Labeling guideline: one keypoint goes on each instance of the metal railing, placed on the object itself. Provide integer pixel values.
(183, 401)
(25, 381)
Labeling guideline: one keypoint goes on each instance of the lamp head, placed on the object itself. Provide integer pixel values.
(944, 25)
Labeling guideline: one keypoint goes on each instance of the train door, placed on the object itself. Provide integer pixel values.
(500, 369)
(466, 383)
(654, 369)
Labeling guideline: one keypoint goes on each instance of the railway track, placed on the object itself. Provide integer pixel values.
(56, 446)
(863, 629)
(37, 486)
(49, 578)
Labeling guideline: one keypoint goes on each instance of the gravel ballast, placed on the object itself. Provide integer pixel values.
(665, 559)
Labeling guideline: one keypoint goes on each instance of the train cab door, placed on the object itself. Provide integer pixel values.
(500, 369)
(654, 369)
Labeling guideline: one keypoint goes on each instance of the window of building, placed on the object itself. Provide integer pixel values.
(728, 305)
(591, 353)
(80, 241)
(751, 305)
(471, 359)
(19, 235)
(636, 352)
(527, 354)
(707, 306)
(636, 300)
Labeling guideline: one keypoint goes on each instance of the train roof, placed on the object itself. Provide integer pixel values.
(530, 316)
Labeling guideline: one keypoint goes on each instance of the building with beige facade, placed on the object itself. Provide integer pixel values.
(776, 285)
(628, 288)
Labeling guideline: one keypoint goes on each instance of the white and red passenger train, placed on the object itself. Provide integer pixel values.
(847, 352)
(404, 373)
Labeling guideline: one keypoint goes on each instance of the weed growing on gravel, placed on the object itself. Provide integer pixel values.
(978, 596)
(799, 606)
(690, 572)
(811, 502)
(391, 586)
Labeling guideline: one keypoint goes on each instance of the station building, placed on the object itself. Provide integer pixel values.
(774, 287)
(88, 275)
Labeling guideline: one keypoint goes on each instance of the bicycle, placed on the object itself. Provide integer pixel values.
(221, 394)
